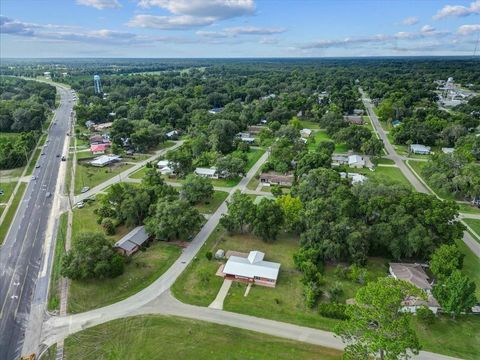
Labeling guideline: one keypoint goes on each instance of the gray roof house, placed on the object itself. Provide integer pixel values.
(131, 242)
(420, 149)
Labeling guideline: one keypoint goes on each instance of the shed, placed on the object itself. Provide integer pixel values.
(131, 242)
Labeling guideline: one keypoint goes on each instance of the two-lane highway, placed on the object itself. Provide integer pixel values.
(23, 251)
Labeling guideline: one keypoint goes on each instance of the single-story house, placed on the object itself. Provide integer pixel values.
(273, 178)
(356, 161)
(255, 129)
(356, 178)
(100, 127)
(211, 173)
(305, 133)
(104, 160)
(354, 119)
(396, 123)
(358, 111)
(246, 137)
(447, 150)
(172, 134)
(99, 148)
(97, 139)
(165, 167)
(416, 275)
(420, 149)
(252, 269)
(338, 160)
(215, 110)
(131, 242)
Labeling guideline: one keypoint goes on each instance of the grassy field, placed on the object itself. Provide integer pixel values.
(384, 161)
(5, 225)
(385, 174)
(253, 156)
(309, 124)
(471, 265)
(162, 337)
(143, 268)
(91, 176)
(254, 181)
(54, 292)
(320, 136)
(7, 188)
(213, 204)
(139, 174)
(475, 225)
(469, 209)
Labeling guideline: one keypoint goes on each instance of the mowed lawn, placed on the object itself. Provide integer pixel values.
(321, 136)
(92, 176)
(475, 225)
(12, 210)
(162, 337)
(7, 188)
(211, 206)
(384, 174)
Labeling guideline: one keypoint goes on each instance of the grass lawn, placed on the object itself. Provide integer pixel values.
(169, 337)
(471, 265)
(35, 157)
(385, 174)
(54, 292)
(254, 181)
(91, 176)
(384, 161)
(139, 174)
(5, 225)
(253, 156)
(213, 204)
(469, 209)
(226, 182)
(475, 225)
(85, 155)
(163, 145)
(7, 188)
(143, 268)
(320, 136)
(309, 124)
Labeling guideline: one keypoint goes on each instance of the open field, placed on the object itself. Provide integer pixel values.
(320, 136)
(5, 225)
(162, 337)
(7, 188)
(143, 268)
(385, 174)
(91, 176)
(253, 156)
(213, 204)
(54, 292)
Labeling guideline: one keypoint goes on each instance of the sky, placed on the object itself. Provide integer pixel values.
(238, 28)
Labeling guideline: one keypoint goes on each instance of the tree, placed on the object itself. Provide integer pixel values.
(196, 189)
(173, 220)
(376, 328)
(292, 209)
(230, 166)
(241, 213)
(268, 220)
(181, 161)
(222, 133)
(373, 146)
(313, 160)
(445, 260)
(92, 257)
(455, 293)
(318, 183)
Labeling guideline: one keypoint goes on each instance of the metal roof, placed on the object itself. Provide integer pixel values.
(251, 267)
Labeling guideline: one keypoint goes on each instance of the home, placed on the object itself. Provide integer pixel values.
(338, 160)
(273, 178)
(396, 123)
(353, 119)
(165, 167)
(172, 134)
(420, 149)
(305, 133)
(131, 242)
(215, 110)
(356, 161)
(354, 177)
(358, 111)
(447, 150)
(104, 160)
(96, 139)
(100, 127)
(98, 148)
(415, 274)
(246, 137)
(255, 129)
(252, 269)
(210, 173)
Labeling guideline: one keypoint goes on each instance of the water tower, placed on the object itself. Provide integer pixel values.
(97, 85)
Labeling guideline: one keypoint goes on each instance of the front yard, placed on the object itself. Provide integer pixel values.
(384, 174)
(92, 176)
(213, 204)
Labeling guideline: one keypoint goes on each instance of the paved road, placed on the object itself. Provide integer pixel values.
(22, 255)
(417, 184)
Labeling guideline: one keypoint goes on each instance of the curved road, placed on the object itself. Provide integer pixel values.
(22, 255)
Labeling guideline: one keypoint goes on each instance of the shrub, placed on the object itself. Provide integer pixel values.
(108, 226)
(357, 274)
(312, 293)
(333, 310)
(341, 272)
(209, 255)
(335, 291)
(425, 315)
(276, 190)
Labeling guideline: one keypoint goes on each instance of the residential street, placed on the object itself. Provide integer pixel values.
(26, 251)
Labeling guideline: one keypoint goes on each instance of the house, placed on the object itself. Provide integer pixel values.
(104, 160)
(447, 150)
(131, 242)
(252, 269)
(396, 123)
(255, 129)
(99, 148)
(420, 149)
(165, 167)
(353, 119)
(273, 178)
(215, 110)
(305, 133)
(172, 134)
(416, 275)
(210, 173)
(103, 126)
(358, 111)
(356, 178)
(338, 160)
(356, 161)
(96, 139)
(246, 137)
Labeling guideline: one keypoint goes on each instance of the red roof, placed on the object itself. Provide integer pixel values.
(98, 147)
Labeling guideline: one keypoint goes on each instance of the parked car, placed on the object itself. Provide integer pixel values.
(37, 166)
(48, 194)
(80, 204)
(84, 189)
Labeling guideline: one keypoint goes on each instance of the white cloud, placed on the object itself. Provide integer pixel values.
(411, 20)
(458, 10)
(268, 41)
(427, 29)
(253, 30)
(468, 29)
(191, 13)
(100, 4)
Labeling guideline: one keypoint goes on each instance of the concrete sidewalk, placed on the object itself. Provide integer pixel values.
(222, 294)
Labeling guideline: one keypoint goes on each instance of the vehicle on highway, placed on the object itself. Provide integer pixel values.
(58, 155)
(64, 158)
(34, 177)
(43, 153)
(84, 189)
(48, 194)
(37, 166)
